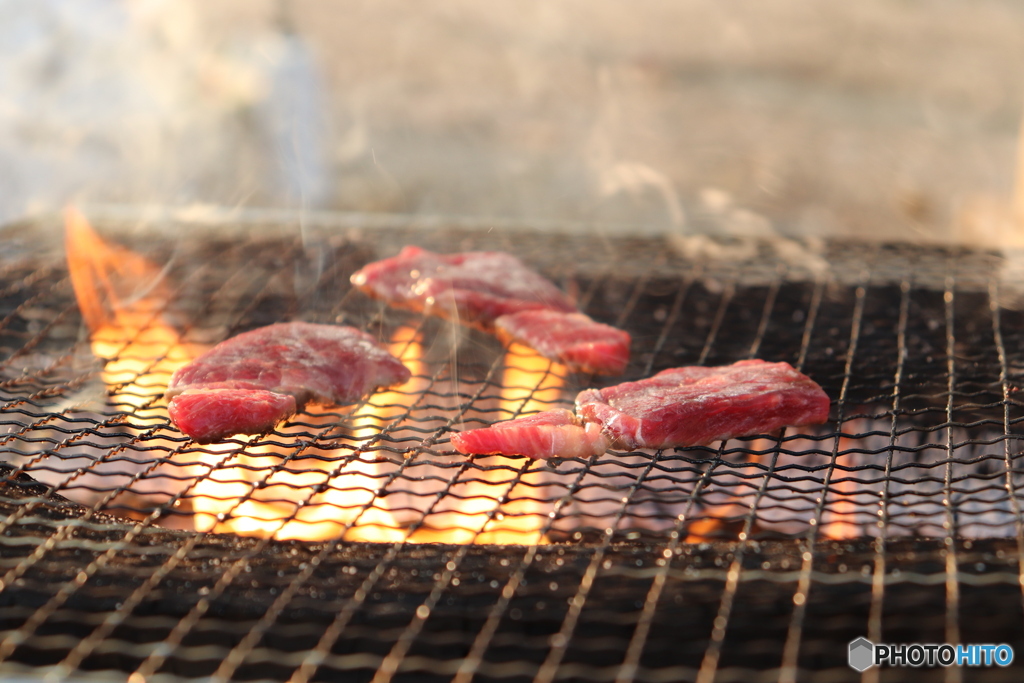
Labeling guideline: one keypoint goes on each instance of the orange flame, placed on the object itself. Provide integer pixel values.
(407, 345)
(274, 491)
(122, 297)
(305, 501)
(530, 384)
(302, 501)
(840, 521)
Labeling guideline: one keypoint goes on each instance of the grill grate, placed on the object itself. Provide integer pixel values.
(755, 559)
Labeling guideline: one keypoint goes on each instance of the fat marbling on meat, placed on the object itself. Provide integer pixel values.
(550, 434)
(473, 287)
(692, 406)
(573, 339)
(225, 390)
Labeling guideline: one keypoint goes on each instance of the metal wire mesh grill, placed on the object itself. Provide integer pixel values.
(755, 559)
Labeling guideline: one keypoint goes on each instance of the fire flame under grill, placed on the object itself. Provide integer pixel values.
(921, 360)
(285, 487)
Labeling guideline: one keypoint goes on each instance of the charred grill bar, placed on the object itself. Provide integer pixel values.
(758, 559)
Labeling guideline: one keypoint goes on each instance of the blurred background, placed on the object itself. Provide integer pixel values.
(877, 119)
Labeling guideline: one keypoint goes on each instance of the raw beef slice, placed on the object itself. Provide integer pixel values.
(692, 406)
(574, 339)
(551, 434)
(208, 414)
(224, 391)
(473, 287)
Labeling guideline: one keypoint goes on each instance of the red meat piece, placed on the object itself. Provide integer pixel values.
(209, 414)
(474, 287)
(551, 434)
(299, 362)
(319, 363)
(697, 405)
(574, 339)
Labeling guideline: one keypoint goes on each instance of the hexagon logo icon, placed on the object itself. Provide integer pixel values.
(862, 654)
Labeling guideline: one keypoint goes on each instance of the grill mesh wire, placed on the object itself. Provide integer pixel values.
(694, 564)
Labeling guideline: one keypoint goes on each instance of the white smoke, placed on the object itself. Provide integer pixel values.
(130, 101)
